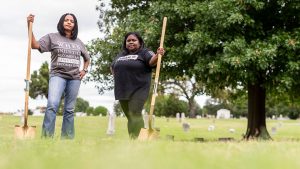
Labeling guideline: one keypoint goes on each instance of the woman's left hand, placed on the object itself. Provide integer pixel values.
(82, 74)
(160, 51)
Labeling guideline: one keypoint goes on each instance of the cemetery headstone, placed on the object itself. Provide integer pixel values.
(211, 128)
(185, 127)
(223, 114)
(273, 130)
(178, 116)
(280, 117)
(146, 121)
(111, 124)
(231, 130)
(182, 117)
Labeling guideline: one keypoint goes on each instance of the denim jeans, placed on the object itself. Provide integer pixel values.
(58, 86)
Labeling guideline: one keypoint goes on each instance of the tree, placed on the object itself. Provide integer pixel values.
(253, 56)
(100, 110)
(168, 105)
(262, 52)
(293, 113)
(90, 111)
(39, 82)
(186, 87)
(81, 105)
(248, 44)
(238, 104)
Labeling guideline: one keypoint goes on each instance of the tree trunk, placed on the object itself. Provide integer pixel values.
(192, 108)
(256, 128)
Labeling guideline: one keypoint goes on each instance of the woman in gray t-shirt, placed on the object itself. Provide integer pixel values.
(132, 78)
(65, 76)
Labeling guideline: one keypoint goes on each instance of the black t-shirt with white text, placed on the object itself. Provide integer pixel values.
(132, 75)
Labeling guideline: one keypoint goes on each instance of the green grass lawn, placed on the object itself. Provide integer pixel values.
(93, 149)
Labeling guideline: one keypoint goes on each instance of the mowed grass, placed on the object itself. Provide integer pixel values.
(93, 149)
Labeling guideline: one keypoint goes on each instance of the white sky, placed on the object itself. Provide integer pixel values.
(14, 43)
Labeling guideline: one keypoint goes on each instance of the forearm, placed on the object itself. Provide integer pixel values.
(153, 60)
(84, 71)
(86, 64)
(34, 43)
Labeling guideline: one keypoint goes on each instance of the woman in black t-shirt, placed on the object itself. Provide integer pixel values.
(132, 77)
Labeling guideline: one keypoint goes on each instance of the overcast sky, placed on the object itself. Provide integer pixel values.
(14, 43)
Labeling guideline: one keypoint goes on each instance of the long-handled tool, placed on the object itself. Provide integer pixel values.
(151, 133)
(25, 131)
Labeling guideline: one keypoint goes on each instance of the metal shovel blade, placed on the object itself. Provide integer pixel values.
(148, 134)
(25, 132)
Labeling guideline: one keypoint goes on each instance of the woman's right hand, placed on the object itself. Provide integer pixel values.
(34, 43)
(30, 18)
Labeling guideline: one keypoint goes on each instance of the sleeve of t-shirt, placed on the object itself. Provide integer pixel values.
(45, 43)
(114, 61)
(84, 52)
(148, 54)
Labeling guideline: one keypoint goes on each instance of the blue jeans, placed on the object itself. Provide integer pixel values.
(58, 86)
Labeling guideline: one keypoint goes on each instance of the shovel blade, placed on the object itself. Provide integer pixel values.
(148, 134)
(25, 132)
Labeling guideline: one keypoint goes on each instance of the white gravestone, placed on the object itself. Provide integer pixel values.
(231, 130)
(178, 116)
(211, 128)
(146, 122)
(223, 114)
(111, 124)
(182, 117)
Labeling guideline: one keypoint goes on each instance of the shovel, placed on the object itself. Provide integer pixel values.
(151, 133)
(25, 131)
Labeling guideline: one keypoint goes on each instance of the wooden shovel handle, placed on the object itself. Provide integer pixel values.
(27, 80)
(154, 94)
(29, 51)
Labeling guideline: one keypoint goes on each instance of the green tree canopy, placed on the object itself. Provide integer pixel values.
(39, 82)
(81, 105)
(168, 105)
(100, 110)
(90, 111)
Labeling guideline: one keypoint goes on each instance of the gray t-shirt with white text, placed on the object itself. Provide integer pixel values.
(65, 55)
